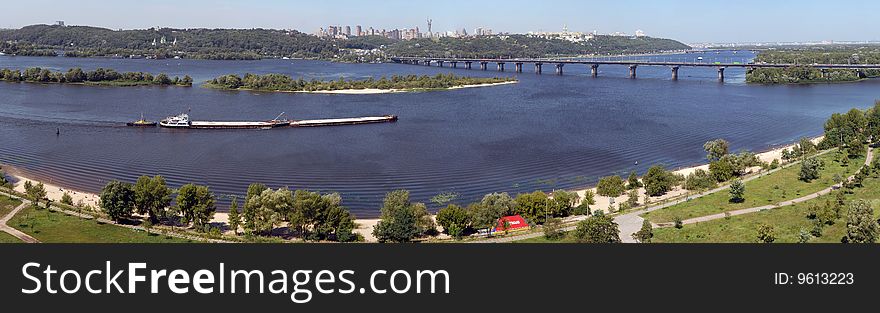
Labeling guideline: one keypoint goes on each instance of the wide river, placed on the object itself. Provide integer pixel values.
(546, 132)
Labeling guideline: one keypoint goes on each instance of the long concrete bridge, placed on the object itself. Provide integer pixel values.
(594, 64)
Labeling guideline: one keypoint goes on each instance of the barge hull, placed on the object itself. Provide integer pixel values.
(344, 121)
(235, 125)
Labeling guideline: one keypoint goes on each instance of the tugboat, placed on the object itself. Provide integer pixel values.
(179, 121)
(141, 122)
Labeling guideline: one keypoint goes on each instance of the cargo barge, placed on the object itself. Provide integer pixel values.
(344, 121)
(183, 121)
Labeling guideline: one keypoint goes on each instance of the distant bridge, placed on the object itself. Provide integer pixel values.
(633, 65)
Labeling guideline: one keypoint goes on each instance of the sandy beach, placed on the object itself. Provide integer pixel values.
(387, 91)
(365, 226)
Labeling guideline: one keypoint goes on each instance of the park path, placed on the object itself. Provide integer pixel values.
(98, 219)
(868, 159)
(631, 222)
(15, 232)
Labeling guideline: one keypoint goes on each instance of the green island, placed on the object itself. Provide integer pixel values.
(252, 44)
(814, 55)
(97, 77)
(284, 83)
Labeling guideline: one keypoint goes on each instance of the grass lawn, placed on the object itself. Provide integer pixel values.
(56, 227)
(7, 204)
(7, 238)
(787, 223)
(567, 238)
(774, 188)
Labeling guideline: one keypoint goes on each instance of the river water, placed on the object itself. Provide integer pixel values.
(546, 132)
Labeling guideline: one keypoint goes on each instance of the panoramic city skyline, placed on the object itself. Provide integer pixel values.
(688, 21)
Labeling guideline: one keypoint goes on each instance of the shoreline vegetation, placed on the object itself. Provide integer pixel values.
(393, 84)
(565, 205)
(98, 77)
(805, 56)
(254, 44)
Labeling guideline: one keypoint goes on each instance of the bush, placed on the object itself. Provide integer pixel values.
(700, 180)
(658, 181)
(679, 224)
(553, 229)
(766, 234)
(597, 229)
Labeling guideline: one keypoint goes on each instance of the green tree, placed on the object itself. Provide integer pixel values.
(35, 193)
(234, 216)
(632, 182)
(563, 202)
(766, 233)
(492, 207)
(534, 207)
(610, 186)
(584, 207)
(597, 229)
(658, 181)
(196, 205)
(399, 220)
(841, 129)
(117, 200)
(553, 229)
(737, 191)
(810, 169)
(716, 149)
(151, 196)
(645, 234)
(861, 226)
(249, 213)
(454, 220)
(632, 198)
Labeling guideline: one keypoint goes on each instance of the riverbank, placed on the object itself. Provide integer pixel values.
(603, 203)
(365, 226)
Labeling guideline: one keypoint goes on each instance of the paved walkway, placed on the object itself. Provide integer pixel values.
(868, 159)
(15, 232)
(631, 222)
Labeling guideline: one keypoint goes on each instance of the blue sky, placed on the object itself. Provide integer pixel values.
(686, 20)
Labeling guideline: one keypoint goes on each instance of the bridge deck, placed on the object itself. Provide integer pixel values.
(638, 63)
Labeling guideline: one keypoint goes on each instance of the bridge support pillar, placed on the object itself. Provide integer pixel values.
(454, 64)
(594, 70)
(721, 74)
(675, 72)
(427, 62)
(414, 62)
(518, 67)
(559, 68)
(440, 63)
(501, 66)
(538, 68)
(632, 71)
(484, 65)
(467, 65)
(824, 73)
